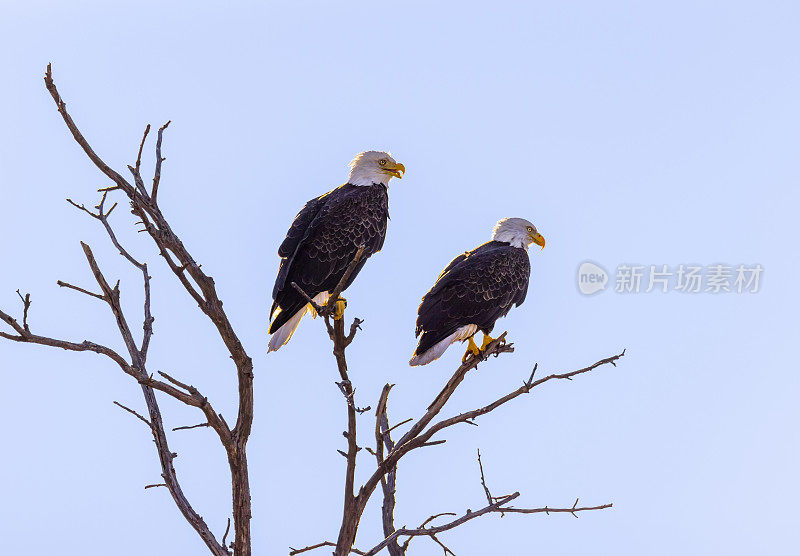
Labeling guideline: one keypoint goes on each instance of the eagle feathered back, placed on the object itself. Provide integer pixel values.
(322, 242)
(477, 287)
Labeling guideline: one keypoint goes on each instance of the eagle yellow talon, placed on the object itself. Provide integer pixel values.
(472, 349)
(486, 341)
(339, 307)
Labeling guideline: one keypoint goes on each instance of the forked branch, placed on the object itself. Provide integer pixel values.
(136, 369)
(201, 287)
(495, 504)
(389, 453)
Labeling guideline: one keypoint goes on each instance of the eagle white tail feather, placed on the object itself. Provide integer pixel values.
(436, 351)
(283, 334)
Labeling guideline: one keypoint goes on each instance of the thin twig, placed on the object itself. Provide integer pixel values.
(186, 428)
(447, 551)
(330, 306)
(26, 304)
(293, 551)
(159, 160)
(63, 284)
(489, 497)
(356, 326)
(141, 146)
(225, 536)
(132, 412)
(311, 302)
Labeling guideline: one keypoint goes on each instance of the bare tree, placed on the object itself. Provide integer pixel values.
(388, 453)
(201, 288)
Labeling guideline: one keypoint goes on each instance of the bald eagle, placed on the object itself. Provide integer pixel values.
(324, 238)
(477, 288)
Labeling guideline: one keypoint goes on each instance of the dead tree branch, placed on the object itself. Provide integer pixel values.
(186, 428)
(389, 453)
(63, 284)
(496, 504)
(159, 160)
(26, 305)
(383, 440)
(202, 289)
(340, 342)
(145, 207)
(135, 414)
(496, 507)
(293, 551)
(136, 369)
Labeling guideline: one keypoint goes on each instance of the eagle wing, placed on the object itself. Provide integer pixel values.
(476, 288)
(334, 236)
(299, 227)
(297, 231)
(323, 241)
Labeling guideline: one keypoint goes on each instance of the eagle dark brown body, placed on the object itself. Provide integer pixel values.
(322, 242)
(476, 289)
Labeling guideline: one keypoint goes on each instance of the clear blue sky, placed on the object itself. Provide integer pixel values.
(628, 132)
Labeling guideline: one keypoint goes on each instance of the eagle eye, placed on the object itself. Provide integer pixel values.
(382, 162)
(530, 229)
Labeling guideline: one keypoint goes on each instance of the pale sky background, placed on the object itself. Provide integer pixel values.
(628, 132)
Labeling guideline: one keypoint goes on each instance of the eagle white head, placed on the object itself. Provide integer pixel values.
(372, 167)
(518, 232)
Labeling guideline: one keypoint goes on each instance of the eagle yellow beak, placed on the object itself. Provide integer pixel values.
(397, 171)
(538, 239)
